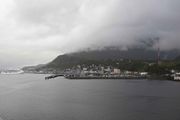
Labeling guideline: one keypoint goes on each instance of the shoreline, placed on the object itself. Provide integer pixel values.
(135, 77)
(111, 78)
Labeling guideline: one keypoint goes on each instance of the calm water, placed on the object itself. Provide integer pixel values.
(30, 97)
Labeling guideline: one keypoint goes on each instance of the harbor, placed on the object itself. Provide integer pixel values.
(30, 97)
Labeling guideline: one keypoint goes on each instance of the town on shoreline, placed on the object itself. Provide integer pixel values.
(108, 72)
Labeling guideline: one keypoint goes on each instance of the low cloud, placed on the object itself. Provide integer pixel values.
(49, 28)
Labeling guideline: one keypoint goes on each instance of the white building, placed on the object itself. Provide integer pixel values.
(116, 71)
(143, 73)
(177, 76)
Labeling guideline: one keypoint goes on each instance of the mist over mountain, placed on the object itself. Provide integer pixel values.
(132, 53)
(144, 49)
(102, 56)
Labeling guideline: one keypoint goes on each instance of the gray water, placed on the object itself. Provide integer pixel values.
(30, 97)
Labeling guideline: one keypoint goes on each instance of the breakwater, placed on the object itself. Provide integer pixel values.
(100, 77)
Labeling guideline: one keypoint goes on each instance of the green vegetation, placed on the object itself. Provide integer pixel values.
(133, 60)
(65, 61)
(164, 67)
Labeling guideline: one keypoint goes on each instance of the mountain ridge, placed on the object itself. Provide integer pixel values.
(104, 56)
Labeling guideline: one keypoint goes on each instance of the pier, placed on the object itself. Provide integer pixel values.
(105, 77)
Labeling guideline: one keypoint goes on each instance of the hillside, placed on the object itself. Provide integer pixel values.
(177, 58)
(137, 56)
(107, 56)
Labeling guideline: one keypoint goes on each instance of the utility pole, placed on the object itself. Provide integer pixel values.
(158, 51)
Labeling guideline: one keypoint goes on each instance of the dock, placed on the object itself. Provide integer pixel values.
(100, 77)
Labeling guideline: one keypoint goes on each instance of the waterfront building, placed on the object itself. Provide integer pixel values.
(143, 73)
(177, 76)
(116, 71)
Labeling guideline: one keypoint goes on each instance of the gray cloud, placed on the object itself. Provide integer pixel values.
(49, 28)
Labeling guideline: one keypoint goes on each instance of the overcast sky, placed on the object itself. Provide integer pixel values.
(36, 31)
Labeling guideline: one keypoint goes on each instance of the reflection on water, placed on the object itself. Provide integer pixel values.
(30, 97)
